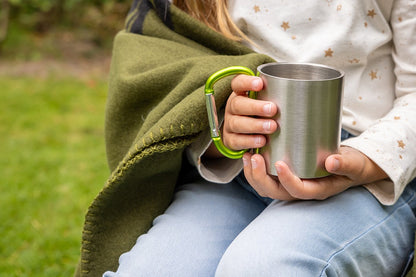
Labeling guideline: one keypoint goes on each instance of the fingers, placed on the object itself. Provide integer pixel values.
(242, 105)
(320, 188)
(355, 165)
(247, 120)
(348, 162)
(241, 131)
(243, 83)
(350, 168)
(250, 125)
(244, 132)
(288, 186)
(240, 141)
(264, 184)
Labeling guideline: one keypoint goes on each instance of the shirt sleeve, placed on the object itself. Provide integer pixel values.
(218, 170)
(391, 142)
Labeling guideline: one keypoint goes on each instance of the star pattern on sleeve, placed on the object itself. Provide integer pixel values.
(256, 9)
(373, 74)
(401, 144)
(354, 60)
(285, 25)
(329, 52)
(371, 13)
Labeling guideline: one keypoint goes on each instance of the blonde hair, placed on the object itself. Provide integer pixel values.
(214, 13)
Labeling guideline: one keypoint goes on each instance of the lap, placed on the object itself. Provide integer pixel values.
(350, 234)
(194, 232)
(227, 229)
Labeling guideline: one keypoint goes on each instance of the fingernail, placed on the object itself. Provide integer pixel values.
(278, 168)
(257, 141)
(245, 162)
(267, 109)
(336, 165)
(266, 126)
(256, 83)
(253, 163)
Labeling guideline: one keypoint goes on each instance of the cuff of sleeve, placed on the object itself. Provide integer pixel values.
(386, 191)
(222, 170)
(383, 190)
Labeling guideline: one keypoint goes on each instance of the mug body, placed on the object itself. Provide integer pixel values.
(309, 100)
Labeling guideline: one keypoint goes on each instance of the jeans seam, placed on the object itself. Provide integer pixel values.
(363, 234)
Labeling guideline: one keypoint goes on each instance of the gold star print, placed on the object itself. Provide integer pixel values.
(371, 13)
(256, 8)
(373, 74)
(401, 144)
(329, 52)
(285, 25)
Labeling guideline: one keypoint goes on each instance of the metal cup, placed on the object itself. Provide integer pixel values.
(309, 98)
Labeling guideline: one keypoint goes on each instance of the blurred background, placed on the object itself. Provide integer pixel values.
(54, 62)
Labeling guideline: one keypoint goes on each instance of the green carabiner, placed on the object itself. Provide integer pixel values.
(212, 112)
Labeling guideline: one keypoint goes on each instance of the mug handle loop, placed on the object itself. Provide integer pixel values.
(212, 111)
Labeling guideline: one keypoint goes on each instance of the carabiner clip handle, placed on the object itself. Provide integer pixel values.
(212, 111)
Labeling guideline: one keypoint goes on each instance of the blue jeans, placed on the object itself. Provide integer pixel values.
(227, 230)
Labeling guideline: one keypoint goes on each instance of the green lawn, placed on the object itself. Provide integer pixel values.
(52, 164)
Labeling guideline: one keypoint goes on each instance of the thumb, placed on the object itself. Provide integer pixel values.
(349, 162)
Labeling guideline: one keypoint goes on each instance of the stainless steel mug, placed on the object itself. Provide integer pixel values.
(309, 98)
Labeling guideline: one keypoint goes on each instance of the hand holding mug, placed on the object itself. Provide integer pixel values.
(349, 168)
(249, 122)
(309, 115)
(246, 120)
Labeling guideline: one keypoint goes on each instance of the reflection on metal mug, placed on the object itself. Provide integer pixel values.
(309, 100)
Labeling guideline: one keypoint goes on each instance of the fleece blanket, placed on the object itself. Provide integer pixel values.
(155, 109)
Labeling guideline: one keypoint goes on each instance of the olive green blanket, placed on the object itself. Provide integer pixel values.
(156, 107)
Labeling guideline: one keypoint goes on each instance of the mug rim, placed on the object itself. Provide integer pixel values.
(340, 72)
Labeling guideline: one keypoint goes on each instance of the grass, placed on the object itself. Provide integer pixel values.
(52, 164)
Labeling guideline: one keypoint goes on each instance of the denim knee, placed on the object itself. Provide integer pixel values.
(245, 258)
(348, 235)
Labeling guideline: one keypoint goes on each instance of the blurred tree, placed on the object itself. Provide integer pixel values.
(4, 19)
(41, 15)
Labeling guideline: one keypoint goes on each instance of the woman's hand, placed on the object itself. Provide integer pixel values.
(241, 130)
(246, 123)
(349, 168)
